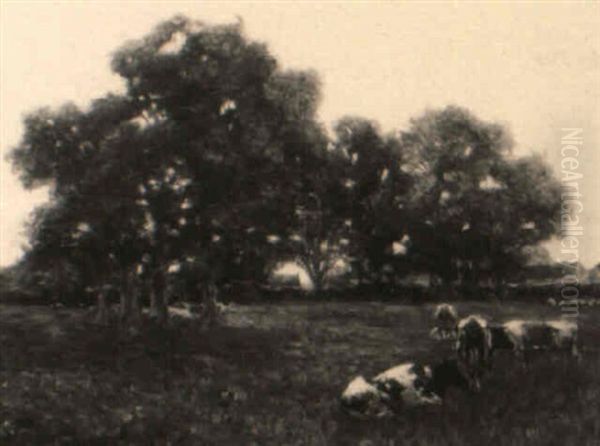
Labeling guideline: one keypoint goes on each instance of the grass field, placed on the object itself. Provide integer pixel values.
(272, 376)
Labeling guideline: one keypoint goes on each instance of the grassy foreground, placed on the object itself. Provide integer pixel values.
(272, 376)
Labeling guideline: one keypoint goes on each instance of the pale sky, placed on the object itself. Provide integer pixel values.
(534, 67)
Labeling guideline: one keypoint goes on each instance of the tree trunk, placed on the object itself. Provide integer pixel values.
(447, 289)
(102, 313)
(317, 280)
(360, 271)
(125, 297)
(475, 282)
(158, 304)
(135, 318)
(130, 306)
(211, 315)
(500, 287)
(315, 273)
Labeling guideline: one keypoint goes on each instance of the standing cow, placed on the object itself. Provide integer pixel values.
(446, 319)
(473, 346)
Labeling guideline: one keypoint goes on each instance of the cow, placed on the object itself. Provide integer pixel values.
(405, 385)
(362, 399)
(500, 339)
(446, 375)
(210, 311)
(473, 345)
(446, 319)
(529, 335)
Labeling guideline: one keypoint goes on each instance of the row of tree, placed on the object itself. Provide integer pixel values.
(212, 168)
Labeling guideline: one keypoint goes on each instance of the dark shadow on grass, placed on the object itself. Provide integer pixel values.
(154, 348)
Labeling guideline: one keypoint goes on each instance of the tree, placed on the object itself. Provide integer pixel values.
(317, 244)
(473, 209)
(196, 154)
(594, 274)
(316, 232)
(374, 196)
(213, 160)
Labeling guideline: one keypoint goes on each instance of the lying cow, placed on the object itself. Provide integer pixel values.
(526, 336)
(473, 346)
(412, 384)
(362, 399)
(446, 319)
(405, 385)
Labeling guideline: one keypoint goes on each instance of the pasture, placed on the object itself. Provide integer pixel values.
(272, 375)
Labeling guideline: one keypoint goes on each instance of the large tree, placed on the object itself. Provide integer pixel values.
(194, 156)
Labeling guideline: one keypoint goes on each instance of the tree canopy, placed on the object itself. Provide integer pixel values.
(213, 160)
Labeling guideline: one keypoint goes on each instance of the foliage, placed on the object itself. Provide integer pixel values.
(213, 161)
(473, 208)
(376, 196)
(193, 157)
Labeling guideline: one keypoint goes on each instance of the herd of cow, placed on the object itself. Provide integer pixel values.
(476, 341)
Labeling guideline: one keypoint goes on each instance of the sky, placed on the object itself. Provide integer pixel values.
(534, 67)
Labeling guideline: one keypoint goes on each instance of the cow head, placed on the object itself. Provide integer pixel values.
(447, 374)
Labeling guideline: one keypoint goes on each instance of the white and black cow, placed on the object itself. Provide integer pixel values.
(446, 319)
(403, 386)
(407, 385)
(362, 399)
(529, 335)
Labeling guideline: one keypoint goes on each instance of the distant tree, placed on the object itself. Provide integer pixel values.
(374, 196)
(594, 274)
(473, 209)
(537, 255)
(318, 242)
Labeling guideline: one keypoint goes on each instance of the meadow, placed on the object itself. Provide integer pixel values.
(272, 375)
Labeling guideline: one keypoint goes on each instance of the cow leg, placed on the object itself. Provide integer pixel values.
(574, 351)
(490, 361)
(521, 357)
(526, 356)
